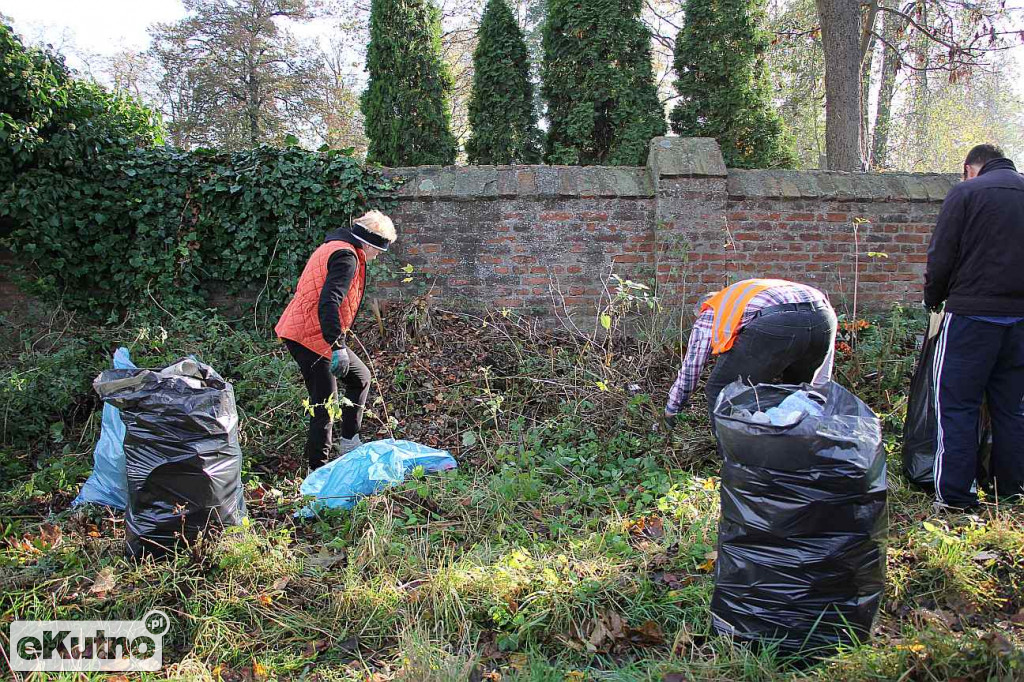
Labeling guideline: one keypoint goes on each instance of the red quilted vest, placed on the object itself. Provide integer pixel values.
(300, 321)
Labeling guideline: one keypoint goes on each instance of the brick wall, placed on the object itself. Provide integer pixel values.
(542, 238)
(546, 239)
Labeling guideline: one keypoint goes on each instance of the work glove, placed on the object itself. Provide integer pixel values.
(339, 363)
(665, 423)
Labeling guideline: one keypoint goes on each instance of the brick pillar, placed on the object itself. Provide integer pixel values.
(691, 235)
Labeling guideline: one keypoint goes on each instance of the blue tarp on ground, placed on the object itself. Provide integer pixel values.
(368, 469)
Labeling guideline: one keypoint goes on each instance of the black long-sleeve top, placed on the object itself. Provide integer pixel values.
(341, 268)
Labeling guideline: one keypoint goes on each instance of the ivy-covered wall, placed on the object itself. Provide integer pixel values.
(159, 227)
(103, 218)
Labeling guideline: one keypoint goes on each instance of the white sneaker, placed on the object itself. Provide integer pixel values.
(347, 445)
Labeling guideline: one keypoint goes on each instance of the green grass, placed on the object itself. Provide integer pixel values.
(571, 544)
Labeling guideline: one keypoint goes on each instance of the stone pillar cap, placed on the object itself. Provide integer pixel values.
(688, 157)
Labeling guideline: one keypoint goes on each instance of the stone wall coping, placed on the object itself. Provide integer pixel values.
(469, 183)
(789, 184)
(669, 157)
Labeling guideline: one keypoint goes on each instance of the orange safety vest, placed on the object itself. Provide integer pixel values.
(300, 321)
(729, 305)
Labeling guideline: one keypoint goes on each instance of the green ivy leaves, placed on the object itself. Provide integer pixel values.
(166, 227)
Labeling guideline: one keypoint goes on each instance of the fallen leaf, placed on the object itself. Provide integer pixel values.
(326, 561)
(671, 580)
(916, 648)
(49, 537)
(597, 636)
(614, 624)
(985, 556)
(930, 617)
(518, 661)
(709, 562)
(576, 644)
(998, 643)
(348, 646)
(280, 584)
(266, 599)
(575, 676)
(103, 583)
(315, 647)
(649, 527)
(648, 634)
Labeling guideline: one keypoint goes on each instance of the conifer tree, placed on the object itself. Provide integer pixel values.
(501, 114)
(598, 82)
(408, 121)
(723, 86)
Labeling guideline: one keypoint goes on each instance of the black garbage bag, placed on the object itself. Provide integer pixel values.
(181, 453)
(801, 553)
(921, 427)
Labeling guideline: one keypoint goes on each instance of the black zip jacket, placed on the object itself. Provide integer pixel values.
(341, 268)
(976, 255)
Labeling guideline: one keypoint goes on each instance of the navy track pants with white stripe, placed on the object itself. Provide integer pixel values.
(975, 359)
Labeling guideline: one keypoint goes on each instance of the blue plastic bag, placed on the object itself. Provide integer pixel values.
(108, 484)
(368, 469)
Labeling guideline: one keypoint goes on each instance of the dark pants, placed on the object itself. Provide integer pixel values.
(787, 343)
(975, 360)
(322, 386)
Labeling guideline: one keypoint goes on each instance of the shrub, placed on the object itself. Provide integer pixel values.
(598, 81)
(501, 112)
(49, 119)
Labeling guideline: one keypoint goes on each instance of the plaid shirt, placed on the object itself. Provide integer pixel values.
(698, 348)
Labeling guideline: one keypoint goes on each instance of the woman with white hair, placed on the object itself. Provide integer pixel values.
(314, 326)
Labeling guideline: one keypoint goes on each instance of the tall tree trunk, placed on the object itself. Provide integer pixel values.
(921, 97)
(890, 68)
(841, 41)
(253, 105)
(866, 66)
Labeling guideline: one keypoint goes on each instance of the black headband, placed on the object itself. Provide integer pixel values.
(371, 238)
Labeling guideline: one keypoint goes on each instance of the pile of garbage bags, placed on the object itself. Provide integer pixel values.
(801, 553)
(182, 461)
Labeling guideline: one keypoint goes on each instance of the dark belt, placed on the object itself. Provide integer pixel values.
(790, 308)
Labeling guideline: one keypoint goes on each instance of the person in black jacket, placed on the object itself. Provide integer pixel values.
(976, 268)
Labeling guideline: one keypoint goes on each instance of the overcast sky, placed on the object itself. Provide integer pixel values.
(102, 26)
